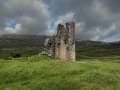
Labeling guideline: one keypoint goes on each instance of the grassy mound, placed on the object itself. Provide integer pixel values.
(44, 73)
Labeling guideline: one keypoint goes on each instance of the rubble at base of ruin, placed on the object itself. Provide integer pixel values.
(62, 45)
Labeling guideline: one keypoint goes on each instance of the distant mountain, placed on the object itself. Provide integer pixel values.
(21, 40)
(98, 44)
(32, 40)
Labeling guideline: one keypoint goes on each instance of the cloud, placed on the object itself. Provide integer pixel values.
(94, 19)
(61, 20)
(113, 5)
(68, 17)
(12, 30)
(31, 16)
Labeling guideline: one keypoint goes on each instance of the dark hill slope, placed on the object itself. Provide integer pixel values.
(28, 45)
(95, 49)
(19, 40)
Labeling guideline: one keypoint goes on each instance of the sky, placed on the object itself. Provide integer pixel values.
(97, 20)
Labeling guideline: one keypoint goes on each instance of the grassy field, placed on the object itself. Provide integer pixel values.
(45, 73)
(5, 53)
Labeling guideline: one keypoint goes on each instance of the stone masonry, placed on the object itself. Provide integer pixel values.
(62, 45)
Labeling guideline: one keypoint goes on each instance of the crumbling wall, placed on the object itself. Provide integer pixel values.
(62, 45)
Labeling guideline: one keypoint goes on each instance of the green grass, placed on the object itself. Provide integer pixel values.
(93, 52)
(5, 53)
(45, 73)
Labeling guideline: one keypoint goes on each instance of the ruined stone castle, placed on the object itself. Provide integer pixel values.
(62, 45)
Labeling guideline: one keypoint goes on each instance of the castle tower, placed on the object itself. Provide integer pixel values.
(65, 43)
(60, 48)
(70, 46)
(62, 45)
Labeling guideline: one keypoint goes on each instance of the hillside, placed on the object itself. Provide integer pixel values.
(32, 40)
(27, 45)
(95, 49)
(21, 40)
(44, 73)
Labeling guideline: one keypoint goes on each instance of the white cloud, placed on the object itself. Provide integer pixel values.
(31, 15)
(12, 30)
(65, 18)
(68, 17)
(112, 28)
(79, 27)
